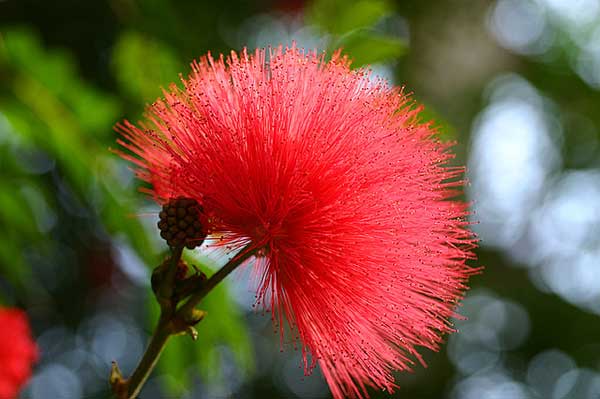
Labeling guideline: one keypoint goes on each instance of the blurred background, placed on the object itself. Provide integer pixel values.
(515, 82)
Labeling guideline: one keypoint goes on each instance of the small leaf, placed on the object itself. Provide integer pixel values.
(12, 264)
(56, 72)
(342, 16)
(142, 65)
(446, 131)
(14, 210)
(223, 326)
(365, 47)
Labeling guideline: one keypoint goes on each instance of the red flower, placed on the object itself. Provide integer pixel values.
(18, 352)
(346, 194)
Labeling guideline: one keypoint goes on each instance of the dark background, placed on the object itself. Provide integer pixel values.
(515, 82)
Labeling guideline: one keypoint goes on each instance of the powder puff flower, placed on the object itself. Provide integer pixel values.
(17, 352)
(329, 175)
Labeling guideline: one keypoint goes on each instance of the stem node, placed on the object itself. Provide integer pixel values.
(173, 320)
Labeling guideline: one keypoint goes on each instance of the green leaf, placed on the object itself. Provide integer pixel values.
(14, 210)
(120, 211)
(12, 264)
(223, 325)
(48, 106)
(341, 16)
(17, 227)
(56, 73)
(446, 131)
(351, 25)
(61, 135)
(142, 65)
(365, 47)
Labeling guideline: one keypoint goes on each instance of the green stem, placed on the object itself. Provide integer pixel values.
(187, 308)
(148, 361)
(170, 322)
(162, 332)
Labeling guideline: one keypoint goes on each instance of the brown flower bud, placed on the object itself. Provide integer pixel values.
(182, 223)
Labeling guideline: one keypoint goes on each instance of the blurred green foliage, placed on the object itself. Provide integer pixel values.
(48, 106)
(141, 65)
(352, 25)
